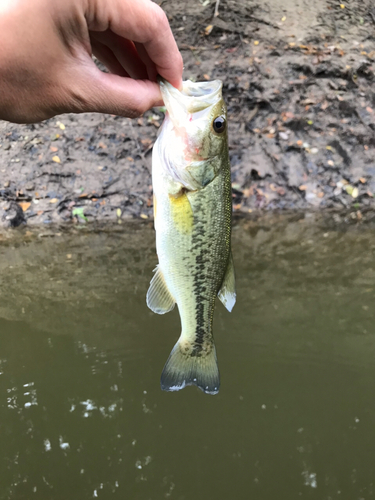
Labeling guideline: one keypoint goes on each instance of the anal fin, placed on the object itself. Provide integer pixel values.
(159, 298)
(227, 293)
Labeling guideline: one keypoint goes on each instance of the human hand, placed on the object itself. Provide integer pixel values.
(46, 66)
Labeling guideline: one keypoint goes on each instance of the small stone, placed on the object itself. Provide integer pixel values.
(6, 184)
(283, 136)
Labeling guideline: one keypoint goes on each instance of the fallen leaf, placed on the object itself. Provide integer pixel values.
(62, 126)
(256, 42)
(79, 212)
(56, 159)
(208, 29)
(118, 212)
(362, 180)
(54, 149)
(369, 110)
(102, 145)
(144, 216)
(302, 187)
(54, 200)
(283, 18)
(24, 205)
(146, 142)
(206, 77)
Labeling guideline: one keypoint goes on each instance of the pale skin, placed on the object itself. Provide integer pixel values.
(46, 65)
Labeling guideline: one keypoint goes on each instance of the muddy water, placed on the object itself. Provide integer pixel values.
(81, 411)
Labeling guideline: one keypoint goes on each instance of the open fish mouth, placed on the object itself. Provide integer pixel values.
(194, 96)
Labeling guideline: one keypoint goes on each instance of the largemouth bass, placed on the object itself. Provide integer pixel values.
(193, 211)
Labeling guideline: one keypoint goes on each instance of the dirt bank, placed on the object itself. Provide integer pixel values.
(299, 83)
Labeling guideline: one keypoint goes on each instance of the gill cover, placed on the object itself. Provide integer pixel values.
(189, 142)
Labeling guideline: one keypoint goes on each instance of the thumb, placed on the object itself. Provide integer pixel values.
(119, 95)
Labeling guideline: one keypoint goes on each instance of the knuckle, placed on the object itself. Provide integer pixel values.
(159, 18)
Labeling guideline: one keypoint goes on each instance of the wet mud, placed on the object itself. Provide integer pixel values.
(298, 79)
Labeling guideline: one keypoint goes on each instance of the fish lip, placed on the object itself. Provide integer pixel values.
(194, 96)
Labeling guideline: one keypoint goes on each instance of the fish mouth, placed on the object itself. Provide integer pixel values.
(193, 97)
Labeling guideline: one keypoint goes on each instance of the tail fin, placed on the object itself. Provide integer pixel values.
(191, 368)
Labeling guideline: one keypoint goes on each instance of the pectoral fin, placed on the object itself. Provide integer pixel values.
(159, 299)
(227, 293)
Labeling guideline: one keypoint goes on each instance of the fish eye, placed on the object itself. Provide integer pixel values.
(219, 124)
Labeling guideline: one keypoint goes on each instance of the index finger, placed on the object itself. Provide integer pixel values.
(144, 22)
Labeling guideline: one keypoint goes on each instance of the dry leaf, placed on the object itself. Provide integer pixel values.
(208, 29)
(56, 159)
(54, 149)
(24, 205)
(54, 200)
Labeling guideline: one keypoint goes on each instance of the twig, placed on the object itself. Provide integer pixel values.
(252, 114)
(216, 13)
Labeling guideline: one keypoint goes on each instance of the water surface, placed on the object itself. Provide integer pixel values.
(81, 411)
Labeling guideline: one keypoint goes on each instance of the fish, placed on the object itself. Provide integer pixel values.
(192, 218)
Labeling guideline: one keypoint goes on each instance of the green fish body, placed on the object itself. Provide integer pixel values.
(193, 210)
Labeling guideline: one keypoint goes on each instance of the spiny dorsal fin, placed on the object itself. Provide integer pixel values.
(158, 297)
(227, 293)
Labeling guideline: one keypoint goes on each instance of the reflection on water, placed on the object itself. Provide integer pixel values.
(81, 411)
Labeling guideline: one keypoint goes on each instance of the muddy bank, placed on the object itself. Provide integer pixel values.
(299, 83)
